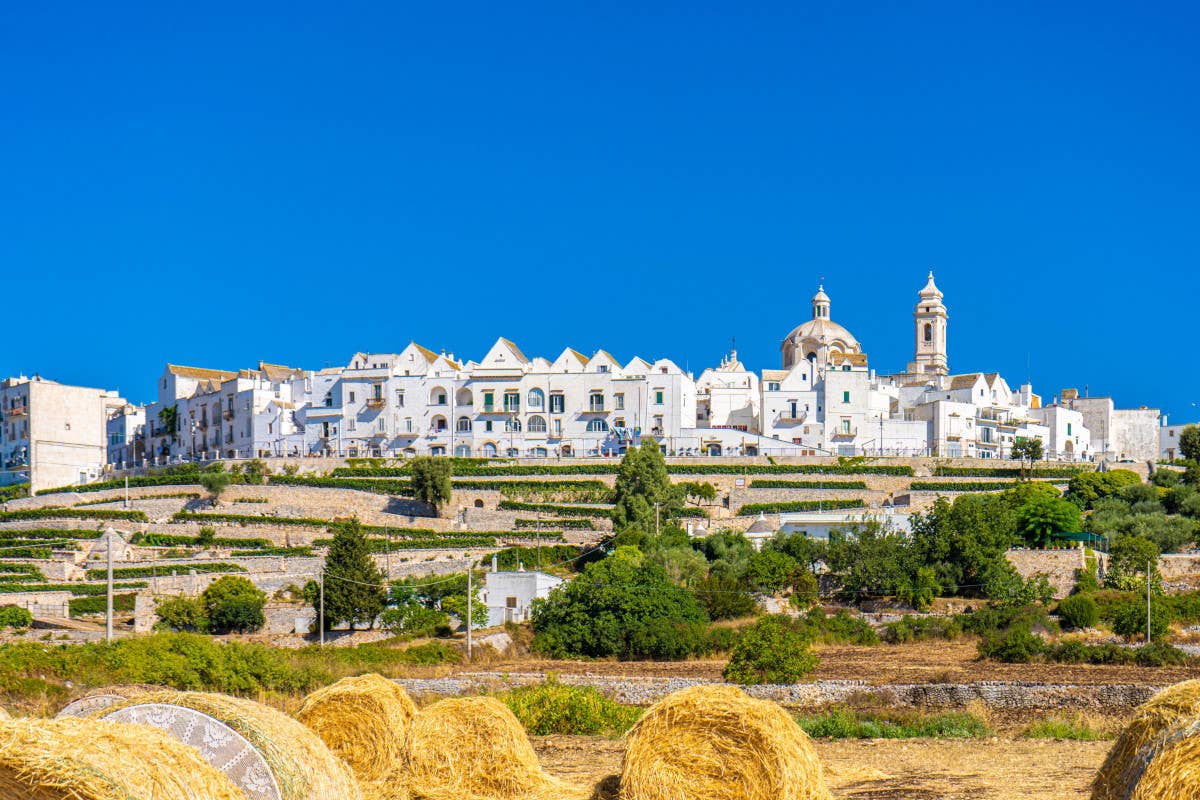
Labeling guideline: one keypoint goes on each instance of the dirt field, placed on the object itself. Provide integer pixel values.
(923, 662)
(904, 769)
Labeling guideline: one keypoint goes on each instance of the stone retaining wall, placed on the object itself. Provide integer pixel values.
(644, 691)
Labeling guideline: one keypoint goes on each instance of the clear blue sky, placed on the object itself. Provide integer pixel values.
(214, 184)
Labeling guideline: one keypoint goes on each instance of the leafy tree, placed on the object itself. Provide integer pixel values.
(1128, 560)
(1129, 620)
(1039, 520)
(772, 650)
(169, 417)
(1029, 451)
(447, 594)
(215, 482)
(642, 481)
(1086, 488)
(698, 493)
(414, 619)
(354, 585)
(869, 559)
(770, 570)
(728, 553)
(1079, 611)
(803, 549)
(683, 564)
(183, 614)
(233, 604)
(621, 606)
(921, 591)
(431, 481)
(1189, 442)
(724, 597)
(805, 589)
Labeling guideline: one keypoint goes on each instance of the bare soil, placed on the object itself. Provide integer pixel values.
(921, 662)
(904, 769)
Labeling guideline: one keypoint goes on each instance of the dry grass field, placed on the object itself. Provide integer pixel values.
(902, 769)
(921, 662)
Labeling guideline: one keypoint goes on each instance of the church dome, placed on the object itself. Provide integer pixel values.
(824, 330)
(818, 337)
(931, 291)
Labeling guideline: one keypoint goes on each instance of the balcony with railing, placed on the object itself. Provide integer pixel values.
(21, 410)
(376, 402)
(845, 433)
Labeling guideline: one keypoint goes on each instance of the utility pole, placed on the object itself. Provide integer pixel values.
(321, 611)
(1149, 566)
(470, 603)
(126, 491)
(108, 617)
(537, 537)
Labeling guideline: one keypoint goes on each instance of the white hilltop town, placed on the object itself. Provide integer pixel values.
(825, 399)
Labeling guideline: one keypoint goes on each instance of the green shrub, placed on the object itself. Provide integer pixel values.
(574, 524)
(843, 723)
(1079, 611)
(15, 617)
(961, 486)
(414, 619)
(1006, 472)
(73, 513)
(772, 650)
(919, 629)
(80, 606)
(150, 572)
(840, 627)
(1129, 620)
(553, 708)
(566, 511)
(1073, 728)
(233, 605)
(1018, 645)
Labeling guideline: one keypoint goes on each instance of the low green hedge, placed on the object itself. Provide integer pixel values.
(253, 519)
(13, 492)
(54, 533)
(149, 572)
(73, 513)
(29, 570)
(442, 543)
(78, 589)
(185, 479)
(286, 552)
(798, 505)
(523, 470)
(390, 487)
(1007, 472)
(575, 524)
(99, 605)
(962, 486)
(550, 508)
(778, 484)
(168, 540)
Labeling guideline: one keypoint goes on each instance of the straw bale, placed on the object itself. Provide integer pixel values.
(716, 743)
(474, 748)
(4, 715)
(1144, 736)
(301, 764)
(97, 701)
(81, 759)
(362, 720)
(1172, 771)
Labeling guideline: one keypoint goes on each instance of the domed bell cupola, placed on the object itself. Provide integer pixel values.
(820, 304)
(930, 316)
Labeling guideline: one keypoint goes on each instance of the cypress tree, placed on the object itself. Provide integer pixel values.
(354, 586)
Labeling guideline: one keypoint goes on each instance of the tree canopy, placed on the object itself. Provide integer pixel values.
(431, 483)
(354, 585)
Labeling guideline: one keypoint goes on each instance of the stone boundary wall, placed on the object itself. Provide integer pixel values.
(644, 691)
(1057, 565)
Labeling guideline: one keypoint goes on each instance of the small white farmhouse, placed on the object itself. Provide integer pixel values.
(509, 596)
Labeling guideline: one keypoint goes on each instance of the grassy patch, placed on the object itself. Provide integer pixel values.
(844, 723)
(555, 708)
(1076, 727)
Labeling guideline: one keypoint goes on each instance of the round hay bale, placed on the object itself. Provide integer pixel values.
(78, 759)
(301, 766)
(362, 720)
(1171, 771)
(716, 743)
(1146, 734)
(474, 748)
(99, 700)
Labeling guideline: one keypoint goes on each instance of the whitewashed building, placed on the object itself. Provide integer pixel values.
(509, 595)
(126, 436)
(53, 434)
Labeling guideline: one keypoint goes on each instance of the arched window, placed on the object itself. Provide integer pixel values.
(437, 451)
(463, 397)
(812, 357)
(463, 451)
(538, 452)
(512, 425)
(928, 332)
(437, 396)
(489, 450)
(537, 399)
(513, 452)
(597, 426)
(463, 425)
(438, 424)
(537, 424)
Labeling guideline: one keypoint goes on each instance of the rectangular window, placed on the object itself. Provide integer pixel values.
(489, 401)
(487, 425)
(378, 391)
(512, 402)
(557, 427)
(658, 423)
(658, 397)
(619, 399)
(1068, 429)
(352, 397)
(772, 387)
(400, 398)
(408, 424)
(595, 402)
(845, 397)
(557, 403)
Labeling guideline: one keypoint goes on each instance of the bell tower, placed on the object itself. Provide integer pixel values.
(930, 317)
